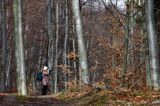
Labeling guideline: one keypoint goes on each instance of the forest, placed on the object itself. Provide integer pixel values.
(98, 52)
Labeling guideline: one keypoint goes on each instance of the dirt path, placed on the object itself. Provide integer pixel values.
(14, 100)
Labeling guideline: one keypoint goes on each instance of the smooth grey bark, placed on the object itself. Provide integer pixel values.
(65, 42)
(143, 28)
(74, 50)
(50, 35)
(8, 71)
(132, 10)
(69, 64)
(81, 45)
(152, 42)
(51, 40)
(125, 60)
(145, 55)
(74, 63)
(19, 49)
(4, 47)
(56, 53)
(131, 30)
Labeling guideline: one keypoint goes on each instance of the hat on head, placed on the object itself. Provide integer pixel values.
(45, 68)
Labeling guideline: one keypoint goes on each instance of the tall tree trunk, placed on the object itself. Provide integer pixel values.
(8, 72)
(4, 46)
(125, 65)
(21, 74)
(132, 11)
(131, 29)
(152, 41)
(51, 40)
(50, 35)
(65, 42)
(56, 54)
(81, 45)
(74, 50)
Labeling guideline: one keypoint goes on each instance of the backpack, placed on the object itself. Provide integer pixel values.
(39, 76)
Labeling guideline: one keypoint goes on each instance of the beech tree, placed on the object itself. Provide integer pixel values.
(50, 38)
(152, 42)
(19, 48)
(4, 46)
(81, 45)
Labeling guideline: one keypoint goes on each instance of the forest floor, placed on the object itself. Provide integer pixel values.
(15, 100)
(86, 97)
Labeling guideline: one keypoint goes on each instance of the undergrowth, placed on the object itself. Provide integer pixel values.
(91, 97)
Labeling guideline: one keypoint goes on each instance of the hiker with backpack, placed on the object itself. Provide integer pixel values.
(44, 76)
(45, 80)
